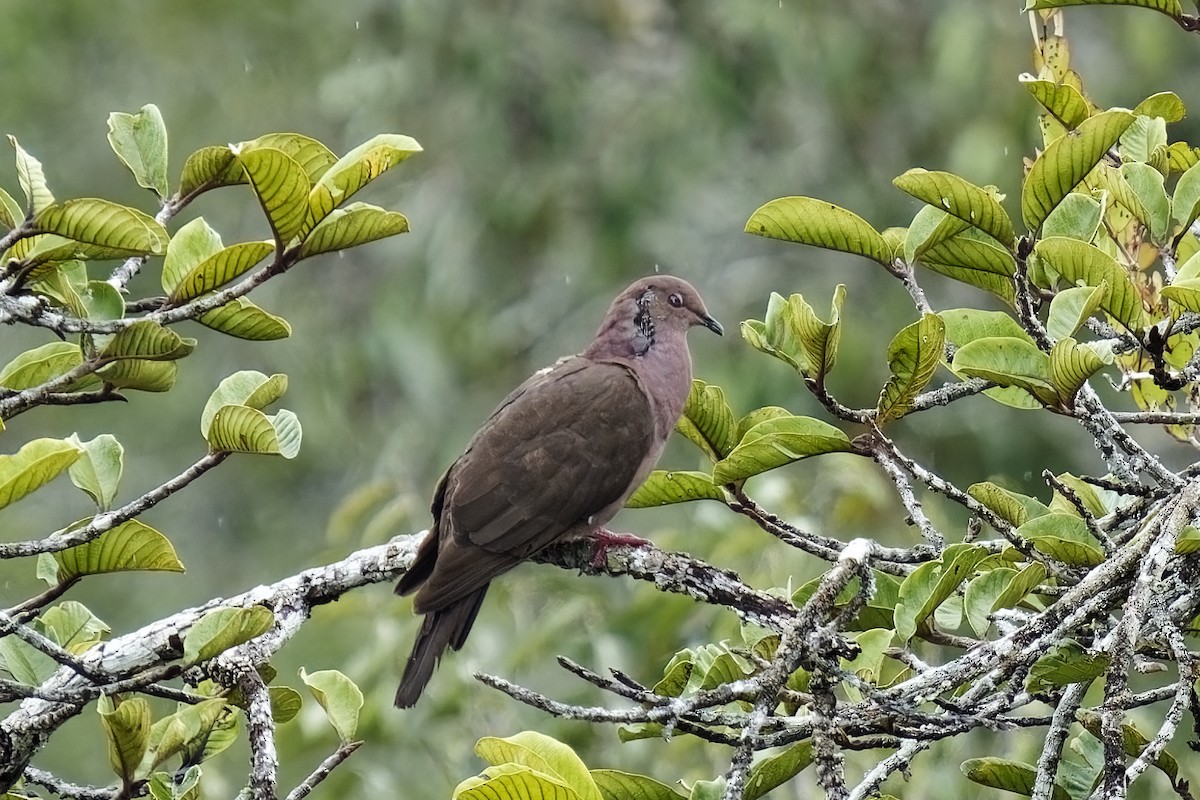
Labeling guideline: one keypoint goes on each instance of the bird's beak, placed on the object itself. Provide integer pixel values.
(712, 325)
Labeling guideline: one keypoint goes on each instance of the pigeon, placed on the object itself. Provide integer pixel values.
(556, 460)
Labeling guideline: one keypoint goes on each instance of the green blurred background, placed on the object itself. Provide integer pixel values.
(569, 148)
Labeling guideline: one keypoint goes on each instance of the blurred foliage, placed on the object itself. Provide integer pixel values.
(569, 149)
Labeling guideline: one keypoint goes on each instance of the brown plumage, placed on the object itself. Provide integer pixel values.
(557, 459)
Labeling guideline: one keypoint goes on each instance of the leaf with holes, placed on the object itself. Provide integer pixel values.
(972, 204)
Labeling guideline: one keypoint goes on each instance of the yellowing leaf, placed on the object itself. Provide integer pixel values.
(1066, 161)
(821, 224)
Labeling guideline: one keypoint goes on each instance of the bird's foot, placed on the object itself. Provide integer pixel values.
(604, 539)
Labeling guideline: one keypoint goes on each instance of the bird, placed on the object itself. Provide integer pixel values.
(556, 460)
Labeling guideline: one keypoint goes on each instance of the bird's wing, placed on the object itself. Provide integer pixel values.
(564, 447)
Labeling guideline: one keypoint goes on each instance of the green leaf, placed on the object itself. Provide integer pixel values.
(102, 301)
(1006, 774)
(1016, 509)
(286, 703)
(1181, 156)
(913, 356)
(243, 388)
(353, 171)
(544, 755)
(174, 785)
(1184, 293)
(192, 244)
(32, 179)
(1008, 362)
(1070, 309)
(140, 141)
(35, 367)
(98, 470)
(819, 340)
(281, 186)
(73, 626)
(1071, 364)
(615, 785)
(1067, 662)
(929, 585)
(219, 269)
(1166, 105)
(140, 374)
(778, 334)
(131, 546)
(223, 628)
(240, 429)
(972, 204)
(775, 770)
(1147, 183)
(1077, 216)
(930, 227)
(707, 420)
(184, 733)
(1066, 161)
(759, 415)
(776, 442)
(340, 698)
(664, 487)
(146, 339)
(821, 224)
(357, 223)
(208, 168)
(1185, 205)
(515, 782)
(37, 463)
(1064, 537)
(312, 156)
(1188, 541)
(1083, 264)
(92, 220)
(980, 597)
(127, 728)
(1063, 101)
(244, 320)
(1021, 585)
(1143, 138)
(26, 665)
(11, 214)
(1171, 8)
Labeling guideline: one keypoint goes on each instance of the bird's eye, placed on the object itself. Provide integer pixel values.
(676, 300)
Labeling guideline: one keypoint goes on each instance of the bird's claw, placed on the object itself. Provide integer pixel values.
(604, 539)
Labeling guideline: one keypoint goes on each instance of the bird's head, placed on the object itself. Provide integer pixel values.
(660, 307)
(664, 302)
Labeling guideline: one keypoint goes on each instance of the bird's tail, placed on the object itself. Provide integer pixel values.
(446, 627)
